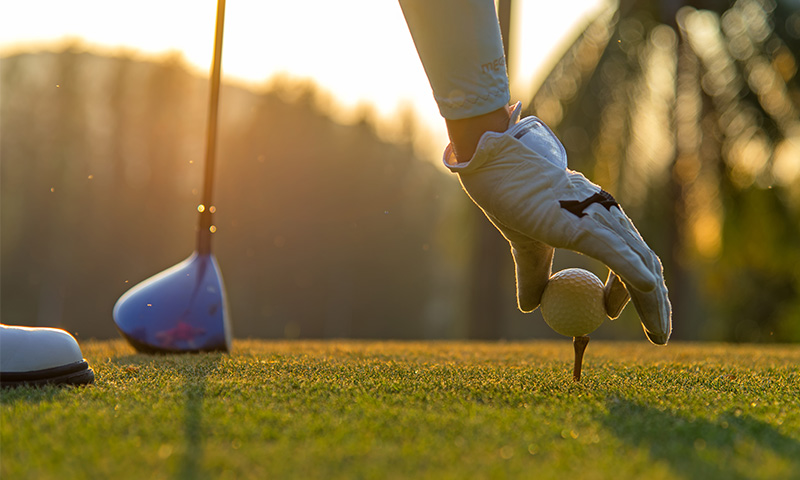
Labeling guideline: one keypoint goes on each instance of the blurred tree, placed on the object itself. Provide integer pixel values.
(323, 229)
(688, 113)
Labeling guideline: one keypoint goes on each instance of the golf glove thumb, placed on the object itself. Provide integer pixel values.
(615, 295)
(533, 263)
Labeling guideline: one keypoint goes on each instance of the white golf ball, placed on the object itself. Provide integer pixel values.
(572, 302)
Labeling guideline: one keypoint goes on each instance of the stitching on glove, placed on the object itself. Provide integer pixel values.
(577, 208)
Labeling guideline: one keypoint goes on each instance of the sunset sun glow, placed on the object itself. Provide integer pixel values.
(359, 51)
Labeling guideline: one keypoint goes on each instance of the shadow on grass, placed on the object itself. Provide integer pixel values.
(698, 447)
(194, 388)
(193, 370)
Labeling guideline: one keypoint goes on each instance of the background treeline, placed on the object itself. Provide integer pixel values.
(323, 229)
(328, 230)
(688, 111)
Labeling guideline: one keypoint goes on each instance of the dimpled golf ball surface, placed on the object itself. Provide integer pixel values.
(572, 302)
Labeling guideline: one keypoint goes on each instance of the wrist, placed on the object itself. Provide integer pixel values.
(466, 133)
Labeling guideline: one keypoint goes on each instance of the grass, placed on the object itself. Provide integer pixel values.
(344, 409)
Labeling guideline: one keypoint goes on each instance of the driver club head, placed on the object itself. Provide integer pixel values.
(180, 310)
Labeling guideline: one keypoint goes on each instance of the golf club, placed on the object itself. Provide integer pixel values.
(184, 308)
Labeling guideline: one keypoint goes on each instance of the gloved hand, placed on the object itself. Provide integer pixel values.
(533, 265)
(520, 181)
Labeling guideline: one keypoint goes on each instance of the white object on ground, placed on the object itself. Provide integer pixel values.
(39, 356)
(572, 302)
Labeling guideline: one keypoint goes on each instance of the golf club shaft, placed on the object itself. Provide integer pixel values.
(204, 222)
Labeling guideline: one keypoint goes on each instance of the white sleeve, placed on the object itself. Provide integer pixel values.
(459, 44)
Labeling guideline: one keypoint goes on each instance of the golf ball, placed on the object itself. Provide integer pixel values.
(572, 302)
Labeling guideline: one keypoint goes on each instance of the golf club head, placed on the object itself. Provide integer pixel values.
(180, 310)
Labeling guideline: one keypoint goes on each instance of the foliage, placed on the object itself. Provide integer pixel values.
(689, 116)
(322, 227)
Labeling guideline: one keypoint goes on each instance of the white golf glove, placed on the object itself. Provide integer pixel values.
(520, 181)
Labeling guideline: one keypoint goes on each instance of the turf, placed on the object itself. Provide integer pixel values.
(344, 409)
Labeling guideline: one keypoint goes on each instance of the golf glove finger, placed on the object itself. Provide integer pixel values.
(520, 180)
(652, 305)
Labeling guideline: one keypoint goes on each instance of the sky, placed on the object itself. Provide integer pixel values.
(360, 51)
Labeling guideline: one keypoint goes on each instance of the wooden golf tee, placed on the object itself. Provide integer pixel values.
(580, 346)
